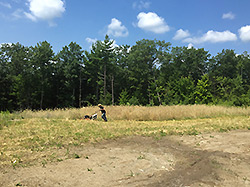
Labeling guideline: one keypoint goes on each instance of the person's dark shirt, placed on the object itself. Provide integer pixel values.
(102, 109)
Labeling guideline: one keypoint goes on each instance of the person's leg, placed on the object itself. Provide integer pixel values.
(104, 117)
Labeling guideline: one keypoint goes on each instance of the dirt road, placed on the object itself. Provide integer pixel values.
(217, 159)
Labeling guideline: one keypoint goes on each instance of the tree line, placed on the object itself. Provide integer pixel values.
(151, 72)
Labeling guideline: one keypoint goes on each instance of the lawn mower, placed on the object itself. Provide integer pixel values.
(88, 117)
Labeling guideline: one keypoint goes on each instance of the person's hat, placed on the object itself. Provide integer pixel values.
(99, 105)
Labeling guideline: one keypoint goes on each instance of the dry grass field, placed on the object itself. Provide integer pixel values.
(141, 113)
(36, 140)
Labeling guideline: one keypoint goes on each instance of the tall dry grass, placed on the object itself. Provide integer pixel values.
(143, 113)
(71, 113)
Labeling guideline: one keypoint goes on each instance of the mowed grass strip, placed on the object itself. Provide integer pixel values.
(39, 140)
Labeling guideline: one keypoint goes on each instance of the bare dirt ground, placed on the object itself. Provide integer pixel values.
(216, 159)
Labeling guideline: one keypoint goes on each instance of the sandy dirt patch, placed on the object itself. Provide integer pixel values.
(216, 159)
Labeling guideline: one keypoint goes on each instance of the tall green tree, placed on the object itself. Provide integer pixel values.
(121, 74)
(20, 75)
(71, 62)
(100, 70)
(188, 62)
(244, 67)
(143, 62)
(42, 59)
(180, 91)
(6, 100)
(203, 91)
(224, 64)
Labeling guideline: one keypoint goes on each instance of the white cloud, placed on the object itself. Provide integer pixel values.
(213, 37)
(6, 44)
(244, 33)
(91, 40)
(45, 10)
(6, 5)
(30, 16)
(114, 44)
(152, 22)
(16, 1)
(228, 15)
(141, 5)
(190, 46)
(181, 34)
(17, 14)
(116, 29)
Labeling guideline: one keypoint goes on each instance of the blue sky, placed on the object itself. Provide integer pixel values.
(210, 24)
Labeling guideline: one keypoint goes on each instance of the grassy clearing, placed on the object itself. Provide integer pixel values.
(40, 137)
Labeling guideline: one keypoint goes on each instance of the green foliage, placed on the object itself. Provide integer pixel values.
(124, 98)
(225, 64)
(181, 90)
(148, 73)
(134, 101)
(101, 69)
(188, 62)
(5, 119)
(192, 131)
(243, 100)
(76, 156)
(70, 64)
(106, 100)
(143, 60)
(202, 92)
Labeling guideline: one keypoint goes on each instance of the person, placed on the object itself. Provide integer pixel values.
(103, 111)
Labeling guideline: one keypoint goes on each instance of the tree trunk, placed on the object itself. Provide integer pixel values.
(159, 98)
(73, 98)
(112, 87)
(80, 90)
(42, 95)
(105, 81)
(149, 94)
(158, 94)
(41, 101)
(97, 92)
